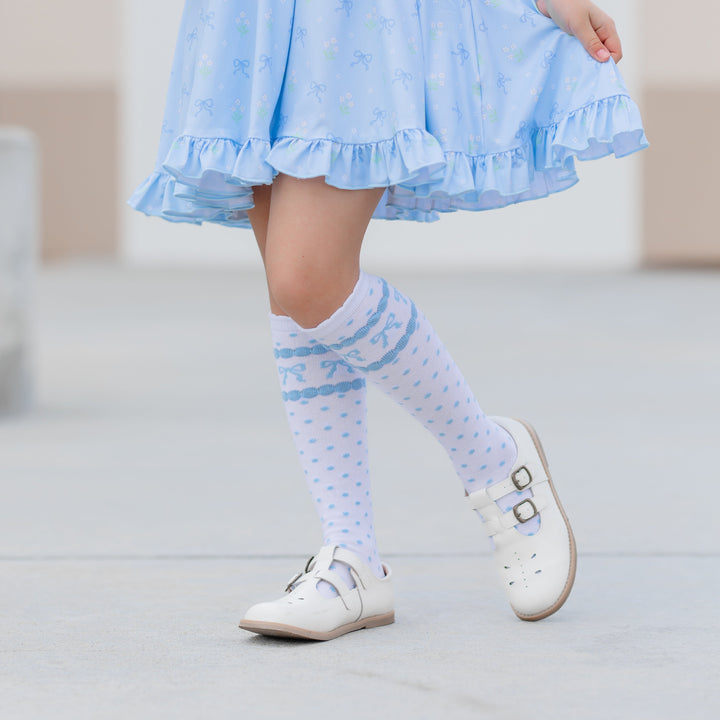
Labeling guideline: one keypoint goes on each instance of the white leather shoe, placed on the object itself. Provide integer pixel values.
(537, 570)
(304, 613)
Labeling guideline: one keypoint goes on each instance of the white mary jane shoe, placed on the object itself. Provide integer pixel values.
(304, 613)
(537, 570)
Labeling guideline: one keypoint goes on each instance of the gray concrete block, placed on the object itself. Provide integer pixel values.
(19, 209)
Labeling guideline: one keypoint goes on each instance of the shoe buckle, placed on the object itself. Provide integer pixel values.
(297, 576)
(518, 511)
(521, 478)
(293, 580)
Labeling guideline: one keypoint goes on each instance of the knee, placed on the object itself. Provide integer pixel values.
(308, 295)
(289, 287)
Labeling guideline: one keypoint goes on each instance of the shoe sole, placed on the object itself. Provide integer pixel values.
(281, 630)
(573, 549)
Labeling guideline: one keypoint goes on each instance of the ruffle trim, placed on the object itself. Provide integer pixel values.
(210, 179)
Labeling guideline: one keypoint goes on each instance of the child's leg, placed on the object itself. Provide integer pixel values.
(312, 254)
(312, 263)
(325, 401)
(259, 217)
(326, 407)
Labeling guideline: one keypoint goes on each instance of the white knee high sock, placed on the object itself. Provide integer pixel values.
(383, 336)
(325, 402)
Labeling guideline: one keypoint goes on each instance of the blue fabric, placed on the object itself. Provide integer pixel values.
(449, 104)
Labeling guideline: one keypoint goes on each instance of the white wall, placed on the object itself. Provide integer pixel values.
(594, 224)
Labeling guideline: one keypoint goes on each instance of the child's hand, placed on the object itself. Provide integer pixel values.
(593, 27)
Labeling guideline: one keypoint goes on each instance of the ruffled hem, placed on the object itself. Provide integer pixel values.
(210, 179)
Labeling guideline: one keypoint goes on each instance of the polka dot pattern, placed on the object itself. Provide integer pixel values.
(399, 351)
(330, 434)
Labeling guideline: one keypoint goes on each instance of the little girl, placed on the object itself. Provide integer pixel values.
(304, 120)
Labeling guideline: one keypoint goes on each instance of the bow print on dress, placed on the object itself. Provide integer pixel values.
(204, 105)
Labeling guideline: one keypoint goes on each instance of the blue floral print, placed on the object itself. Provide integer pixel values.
(448, 104)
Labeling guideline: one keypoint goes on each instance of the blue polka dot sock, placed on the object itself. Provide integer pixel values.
(386, 339)
(325, 402)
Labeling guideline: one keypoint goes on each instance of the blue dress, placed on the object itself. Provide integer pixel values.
(448, 104)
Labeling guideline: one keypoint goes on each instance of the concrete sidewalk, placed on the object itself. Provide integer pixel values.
(153, 495)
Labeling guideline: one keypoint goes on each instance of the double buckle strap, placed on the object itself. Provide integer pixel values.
(495, 520)
(525, 510)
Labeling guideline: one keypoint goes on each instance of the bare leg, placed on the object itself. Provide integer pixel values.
(259, 217)
(317, 232)
(312, 243)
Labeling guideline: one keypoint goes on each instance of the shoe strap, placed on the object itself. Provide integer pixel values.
(333, 579)
(318, 568)
(520, 479)
(321, 571)
(360, 572)
(496, 521)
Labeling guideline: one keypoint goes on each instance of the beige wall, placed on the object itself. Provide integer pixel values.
(58, 77)
(72, 42)
(679, 42)
(681, 103)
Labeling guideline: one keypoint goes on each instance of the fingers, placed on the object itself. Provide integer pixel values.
(585, 33)
(606, 31)
(592, 26)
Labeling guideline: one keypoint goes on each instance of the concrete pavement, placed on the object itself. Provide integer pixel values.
(153, 494)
